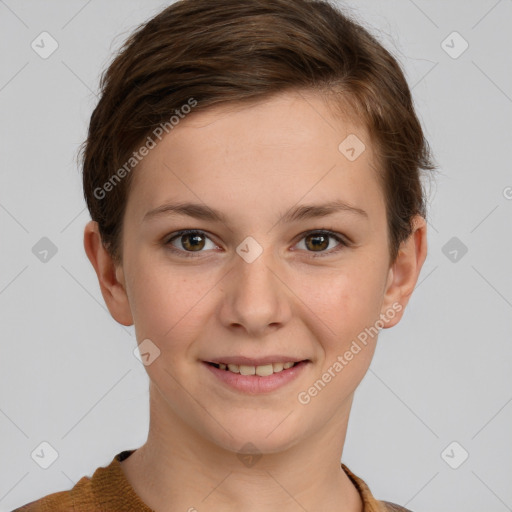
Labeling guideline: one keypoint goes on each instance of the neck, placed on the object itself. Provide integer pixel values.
(180, 469)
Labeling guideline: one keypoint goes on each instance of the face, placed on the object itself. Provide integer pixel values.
(269, 278)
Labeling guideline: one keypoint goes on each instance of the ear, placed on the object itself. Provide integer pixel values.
(110, 277)
(403, 273)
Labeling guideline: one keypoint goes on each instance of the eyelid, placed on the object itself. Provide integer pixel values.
(343, 241)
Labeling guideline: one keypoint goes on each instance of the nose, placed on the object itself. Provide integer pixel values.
(256, 298)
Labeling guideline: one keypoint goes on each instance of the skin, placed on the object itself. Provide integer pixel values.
(253, 164)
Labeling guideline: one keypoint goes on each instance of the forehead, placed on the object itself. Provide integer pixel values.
(280, 150)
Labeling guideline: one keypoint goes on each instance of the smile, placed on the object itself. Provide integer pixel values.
(256, 379)
(262, 370)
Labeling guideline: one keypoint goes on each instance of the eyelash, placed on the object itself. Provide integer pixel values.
(191, 254)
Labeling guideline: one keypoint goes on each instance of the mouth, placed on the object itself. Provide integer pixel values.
(254, 380)
(263, 370)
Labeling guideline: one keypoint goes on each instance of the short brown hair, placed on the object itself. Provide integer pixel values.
(235, 51)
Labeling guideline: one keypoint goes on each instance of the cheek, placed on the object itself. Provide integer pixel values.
(165, 300)
(347, 299)
(345, 311)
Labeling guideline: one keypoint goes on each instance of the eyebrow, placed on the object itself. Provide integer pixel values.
(301, 212)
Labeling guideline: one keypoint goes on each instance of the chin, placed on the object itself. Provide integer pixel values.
(255, 439)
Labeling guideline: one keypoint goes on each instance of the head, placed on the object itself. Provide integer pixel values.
(256, 111)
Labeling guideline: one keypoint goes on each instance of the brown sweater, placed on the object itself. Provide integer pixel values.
(109, 491)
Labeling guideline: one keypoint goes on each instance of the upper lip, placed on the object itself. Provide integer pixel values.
(254, 361)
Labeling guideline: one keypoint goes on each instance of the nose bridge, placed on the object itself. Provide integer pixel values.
(256, 298)
(257, 275)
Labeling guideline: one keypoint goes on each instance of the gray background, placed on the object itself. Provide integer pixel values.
(68, 375)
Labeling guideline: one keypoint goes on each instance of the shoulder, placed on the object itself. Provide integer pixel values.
(370, 504)
(107, 490)
(387, 506)
(83, 496)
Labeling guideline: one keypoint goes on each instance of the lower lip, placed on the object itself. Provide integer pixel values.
(254, 384)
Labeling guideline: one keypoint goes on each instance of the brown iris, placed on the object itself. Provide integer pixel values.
(319, 241)
(192, 241)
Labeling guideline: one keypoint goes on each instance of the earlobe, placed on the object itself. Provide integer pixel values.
(404, 272)
(112, 287)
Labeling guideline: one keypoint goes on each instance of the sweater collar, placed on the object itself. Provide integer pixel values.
(370, 504)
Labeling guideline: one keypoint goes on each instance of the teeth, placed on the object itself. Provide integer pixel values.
(263, 370)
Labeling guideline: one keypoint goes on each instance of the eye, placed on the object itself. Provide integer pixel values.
(192, 241)
(320, 240)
